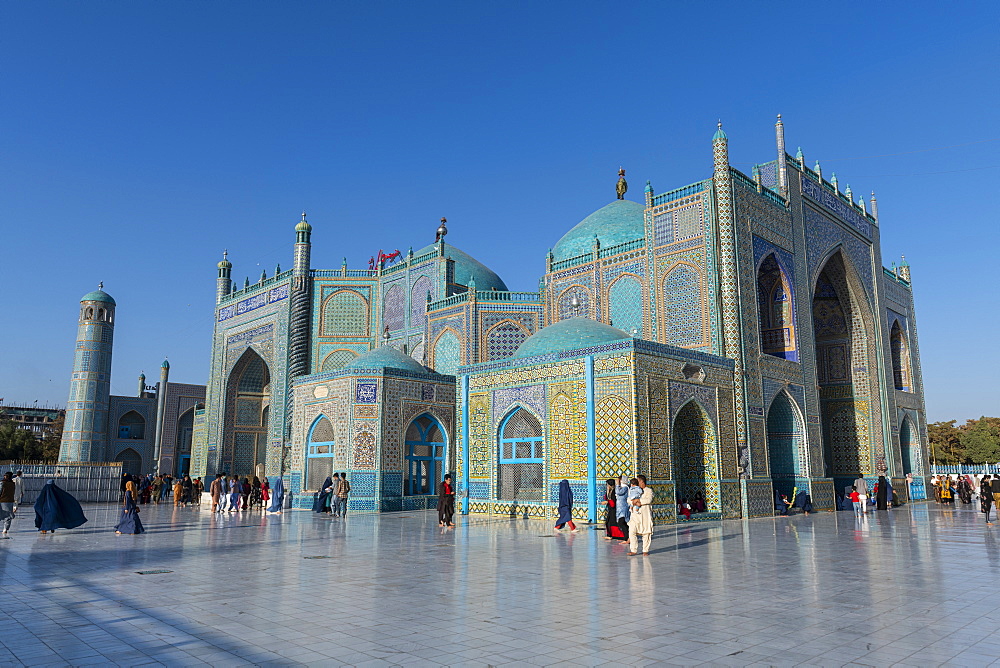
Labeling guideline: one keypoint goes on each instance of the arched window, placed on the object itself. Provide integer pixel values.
(682, 317)
(345, 313)
(625, 304)
(418, 301)
(132, 425)
(90, 313)
(909, 448)
(521, 458)
(338, 359)
(100, 314)
(447, 352)
(565, 302)
(774, 309)
(394, 308)
(424, 448)
(900, 357)
(503, 339)
(319, 453)
(185, 438)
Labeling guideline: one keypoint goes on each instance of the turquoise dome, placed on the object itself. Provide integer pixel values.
(569, 334)
(467, 268)
(387, 357)
(616, 223)
(98, 296)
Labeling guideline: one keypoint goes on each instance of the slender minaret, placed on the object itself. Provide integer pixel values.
(298, 357)
(84, 436)
(142, 385)
(161, 405)
(779, 136)
(904, 269)
(224, 283)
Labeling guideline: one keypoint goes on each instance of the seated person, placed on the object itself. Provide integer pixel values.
(780, 503)
(684, 508)
(698, 504)
(803, 501)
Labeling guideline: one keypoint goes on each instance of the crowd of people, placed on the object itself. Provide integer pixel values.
(331, 497)
(968, 488)
(628, 511)
(230, 494)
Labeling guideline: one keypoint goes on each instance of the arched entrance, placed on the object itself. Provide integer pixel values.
(909, 448)
(785, 443)
(185, 437)
(693, 453)
(248, 411)
(520, 446)
(424, 447)
(844, 360)
(319, 453)
(131, 461)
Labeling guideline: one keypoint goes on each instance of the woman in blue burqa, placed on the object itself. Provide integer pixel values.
(277, 496)
(321, 502)
(565, 507)
(129, 521)
(55, 508)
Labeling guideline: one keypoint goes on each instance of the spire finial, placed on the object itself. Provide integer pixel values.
(100, 286)
(622, 186)
(442, 230)
(779, 119)
(225, 253)
(303, 214)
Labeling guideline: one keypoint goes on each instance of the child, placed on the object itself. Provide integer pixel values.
(634, 491)
(856, 498)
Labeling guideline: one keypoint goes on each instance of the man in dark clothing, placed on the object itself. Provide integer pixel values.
(446, 502)
(7, 500)
(986, 495)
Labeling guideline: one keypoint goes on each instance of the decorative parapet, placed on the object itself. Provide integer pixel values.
(256, 287)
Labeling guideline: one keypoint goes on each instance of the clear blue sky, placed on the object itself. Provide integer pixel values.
(139, 139)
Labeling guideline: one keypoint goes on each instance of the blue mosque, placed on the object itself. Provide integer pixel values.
(732, 337)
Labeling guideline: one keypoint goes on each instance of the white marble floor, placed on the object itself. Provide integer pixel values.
(915, 586)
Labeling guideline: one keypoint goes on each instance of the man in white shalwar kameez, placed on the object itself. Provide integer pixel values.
(641, 522)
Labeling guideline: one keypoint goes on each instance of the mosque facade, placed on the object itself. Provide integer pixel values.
(729, 338)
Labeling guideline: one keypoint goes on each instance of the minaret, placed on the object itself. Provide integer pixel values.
(142, 385)
(779, 135)
(298, 357)
(904, 269)
(85, 435)
(161, 406)
(224, 283)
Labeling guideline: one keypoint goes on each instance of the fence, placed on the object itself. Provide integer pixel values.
(965, 469)
(94, 483)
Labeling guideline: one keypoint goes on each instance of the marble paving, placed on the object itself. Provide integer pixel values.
(915, 586)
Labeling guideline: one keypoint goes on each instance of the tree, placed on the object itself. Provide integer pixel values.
(17, 443)
(946, 444)
(981, 440)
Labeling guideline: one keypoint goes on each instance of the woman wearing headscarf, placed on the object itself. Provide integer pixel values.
(565, 507)
(255, 492)
(144, 487)
(622, 510)
(129, 521)
(277, 497)
(321, 500)
(187, 488)
(55, 508)
(265, 493)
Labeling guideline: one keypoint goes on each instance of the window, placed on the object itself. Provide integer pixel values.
(774, 305)
(521, 458)
(132, 426)
(424, 455)
(319, 453)
(900, 357)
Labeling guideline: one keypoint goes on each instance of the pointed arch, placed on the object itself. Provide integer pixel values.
(345, 313)
(786, 449)
(565, 299)
(131, 425)
(447, 352)
(503, 338)
(424, 447)
(900, 352)
(909, 448)
(625, 304)
(131, 461)
(320, 446)
(394, 308)
(520, 448)
(418, 301)
(248, 401)
(683, 315)
(776, 310)
(694, 454)
(338, 359)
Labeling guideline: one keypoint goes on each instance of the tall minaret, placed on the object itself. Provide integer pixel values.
(85, 435)
(161, 406)
(142, 385)
(298, 358)
(224, 282)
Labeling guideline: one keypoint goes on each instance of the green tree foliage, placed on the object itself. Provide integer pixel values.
(946, 443)
(980, 440)
(21, 444)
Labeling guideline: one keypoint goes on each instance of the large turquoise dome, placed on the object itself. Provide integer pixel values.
(616, 223)
(98, 296)
(569, 334)
(387, 357)
(468, 267)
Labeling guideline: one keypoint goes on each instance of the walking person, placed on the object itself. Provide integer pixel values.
(7, 490)
(986, 496)
(235, 489)
(18, 489)
(128, 521)
(565, 507)
(178, 492)
(187, 487)
(859, 508)
(642, 519)
(321, 500)
(343, 492)
(335, 495)
(277, 496)
(995, 489)
(446, 502)
(623, 510)
(861, 485)
(156, 486)
(215, 490)
(55, 508)
(197, 487)
(265, 493)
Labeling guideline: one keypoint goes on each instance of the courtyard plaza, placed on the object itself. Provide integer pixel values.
(913, 586)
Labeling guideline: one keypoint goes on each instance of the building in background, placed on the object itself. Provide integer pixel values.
(31, 418)
(155, 425)
(776, 275)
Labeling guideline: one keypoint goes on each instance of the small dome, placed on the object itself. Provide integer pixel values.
(98, 296)
(569, 334)
(616, 223)
(165, 365)
(225, 264)
(303, 226)
(468, 267)
(387, 357)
